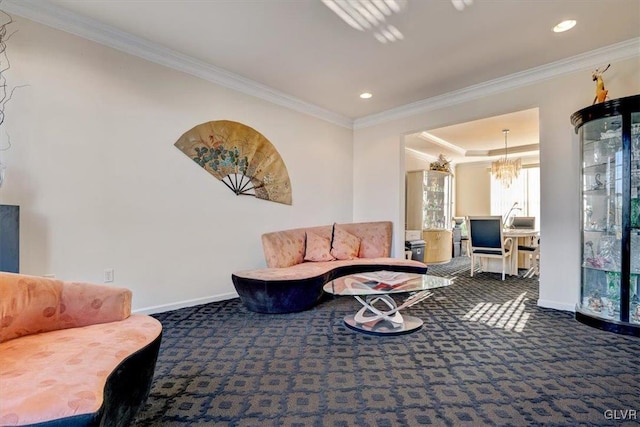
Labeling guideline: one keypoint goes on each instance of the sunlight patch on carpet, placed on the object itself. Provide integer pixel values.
(509, 315)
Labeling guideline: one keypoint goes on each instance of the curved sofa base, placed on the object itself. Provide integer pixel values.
(289, 296)
(125, 392)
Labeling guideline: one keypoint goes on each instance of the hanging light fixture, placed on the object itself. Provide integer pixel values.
(505, 170)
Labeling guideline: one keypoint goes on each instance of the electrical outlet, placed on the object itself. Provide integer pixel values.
(108, 275)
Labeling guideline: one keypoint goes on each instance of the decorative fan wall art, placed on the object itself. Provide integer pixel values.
(239, 156)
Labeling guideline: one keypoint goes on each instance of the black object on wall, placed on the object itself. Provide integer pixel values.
(9, 238)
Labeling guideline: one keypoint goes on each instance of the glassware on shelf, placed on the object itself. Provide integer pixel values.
(635, 212)
(594, 289)
(588, 213)
(634, 314)
(634, 306)
(603, 151)
(635, 252)
(612, 302)
(610, 251)
(603, 254)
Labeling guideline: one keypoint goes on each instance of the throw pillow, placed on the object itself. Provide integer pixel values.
(344, 245)
(318, 248)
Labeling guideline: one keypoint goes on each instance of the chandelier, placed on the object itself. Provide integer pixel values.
(505, 170)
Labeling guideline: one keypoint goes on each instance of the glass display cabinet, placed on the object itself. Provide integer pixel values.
(609, 135)
(428, 200)
(428, 208)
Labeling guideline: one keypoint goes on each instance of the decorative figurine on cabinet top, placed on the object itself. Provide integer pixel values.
(601, 92)
(441, 165)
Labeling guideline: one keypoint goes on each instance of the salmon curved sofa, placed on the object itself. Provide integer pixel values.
(300, 261)
(72, 354)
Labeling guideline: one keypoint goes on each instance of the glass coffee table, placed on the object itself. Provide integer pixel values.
(380, 315)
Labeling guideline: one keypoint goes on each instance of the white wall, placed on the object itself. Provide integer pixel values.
(414, 162)
(378, 148)
(100, 184)
(473, 184)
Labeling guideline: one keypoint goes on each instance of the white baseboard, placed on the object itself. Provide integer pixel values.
(188, 303)
(557, 305)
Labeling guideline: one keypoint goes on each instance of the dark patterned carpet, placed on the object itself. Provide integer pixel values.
(486, 356)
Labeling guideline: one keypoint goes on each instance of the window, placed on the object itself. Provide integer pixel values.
(525, 191)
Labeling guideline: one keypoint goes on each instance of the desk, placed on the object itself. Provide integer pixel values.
(520, 237)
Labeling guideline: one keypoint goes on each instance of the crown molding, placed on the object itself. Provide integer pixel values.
(421, 155)
(426, 136)
(615, 52)
(62, 19)
(529, 148)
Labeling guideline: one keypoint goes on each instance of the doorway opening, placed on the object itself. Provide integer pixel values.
(472, 147)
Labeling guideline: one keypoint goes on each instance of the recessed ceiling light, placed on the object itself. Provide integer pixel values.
(564, 26)
(365, 95)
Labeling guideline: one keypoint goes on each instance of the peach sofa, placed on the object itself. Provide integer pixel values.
(72, 354)
(300, 261)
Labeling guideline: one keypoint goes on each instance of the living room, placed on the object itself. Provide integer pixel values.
(101, 187)
(91, 200)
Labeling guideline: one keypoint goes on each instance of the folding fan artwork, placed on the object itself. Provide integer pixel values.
(239, 156)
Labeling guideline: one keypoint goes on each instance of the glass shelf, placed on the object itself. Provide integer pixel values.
(600, 192)
(596, 168)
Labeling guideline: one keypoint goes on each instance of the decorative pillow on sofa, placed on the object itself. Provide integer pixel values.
(283, 248)
(318, 248)
(344, 245)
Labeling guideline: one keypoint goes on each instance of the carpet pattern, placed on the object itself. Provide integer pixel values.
(486, 356)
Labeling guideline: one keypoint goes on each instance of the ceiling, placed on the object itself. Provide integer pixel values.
(481, 140)
(301, 50)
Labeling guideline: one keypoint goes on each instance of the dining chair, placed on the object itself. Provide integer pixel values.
(486, 240)
(534, 251)
(465, 249)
